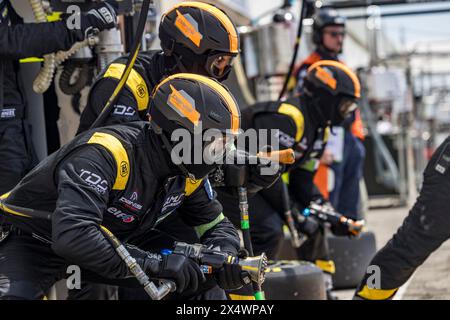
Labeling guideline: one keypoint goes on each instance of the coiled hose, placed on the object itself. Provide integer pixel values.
(44, 78)
(52, 60)
(85, 74)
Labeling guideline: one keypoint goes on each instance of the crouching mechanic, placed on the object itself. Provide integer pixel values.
(422, 232)
(331, 90)
(122, 178)
(209, 52)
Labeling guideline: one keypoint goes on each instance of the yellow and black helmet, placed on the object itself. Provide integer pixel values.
(334, 89)
(197, 104)
(201, 38)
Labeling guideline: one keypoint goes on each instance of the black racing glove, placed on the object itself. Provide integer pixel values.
(183, 271)
(307, 225)
(348, 227)
(232, 277)
(102, 17)
(260, 177)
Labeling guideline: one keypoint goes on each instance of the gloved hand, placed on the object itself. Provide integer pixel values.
(232, 277)
(103, 16)
(307, 225)
(348, 227)
(262, 177)
(183, 271)
(323, 202)
(249, 176)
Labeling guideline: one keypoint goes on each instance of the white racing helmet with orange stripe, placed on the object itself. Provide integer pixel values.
(192, 107)
(333, 89)
(200, 37)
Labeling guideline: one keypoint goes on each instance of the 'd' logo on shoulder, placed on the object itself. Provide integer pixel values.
(123, 168)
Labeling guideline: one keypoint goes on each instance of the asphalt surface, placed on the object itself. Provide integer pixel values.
(431, 281)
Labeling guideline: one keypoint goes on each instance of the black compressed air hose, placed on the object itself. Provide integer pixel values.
(129, 66)
(296, 49)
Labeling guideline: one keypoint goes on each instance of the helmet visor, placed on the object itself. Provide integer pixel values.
(218, 65)
(218, 149)
(347, 107)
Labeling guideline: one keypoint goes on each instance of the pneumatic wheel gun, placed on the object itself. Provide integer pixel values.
(211, 260)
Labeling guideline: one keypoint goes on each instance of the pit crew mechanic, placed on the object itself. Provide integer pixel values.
(17, 41)
(423, 231)
(121, 177)
(208, 51)
(328, 36)
(303, 123)
(206, 48)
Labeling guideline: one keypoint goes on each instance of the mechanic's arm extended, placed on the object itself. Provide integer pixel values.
(36, 39)
(202, 211)
(301, 184)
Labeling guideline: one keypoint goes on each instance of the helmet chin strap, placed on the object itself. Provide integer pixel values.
(171, 65)
(169, 148)
(317, 113)
(187, 61)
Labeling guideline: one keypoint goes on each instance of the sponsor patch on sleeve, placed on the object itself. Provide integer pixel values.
(443, 161)
(209, 190)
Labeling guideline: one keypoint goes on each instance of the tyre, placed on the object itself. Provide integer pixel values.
(294, 280)
(286, 251)
(351, 258)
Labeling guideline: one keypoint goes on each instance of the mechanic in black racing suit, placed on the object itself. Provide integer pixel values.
(331, 90)
(423, 231)
(195, 37)
(123, 178)
(20, 40)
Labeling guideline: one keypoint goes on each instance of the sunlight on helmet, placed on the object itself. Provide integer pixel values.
(347, 107)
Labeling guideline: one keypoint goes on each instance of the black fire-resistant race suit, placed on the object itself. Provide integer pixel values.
(149, 69)
(295, 122)
(131, 105)
(425, 228)
(348, 172)
(17, 41)
(119, 177)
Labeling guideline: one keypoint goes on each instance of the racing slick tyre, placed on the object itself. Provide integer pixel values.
(286, 251)
(351, 258)
(294, 280)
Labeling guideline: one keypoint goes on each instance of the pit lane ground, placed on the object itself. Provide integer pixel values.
(431, 281)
